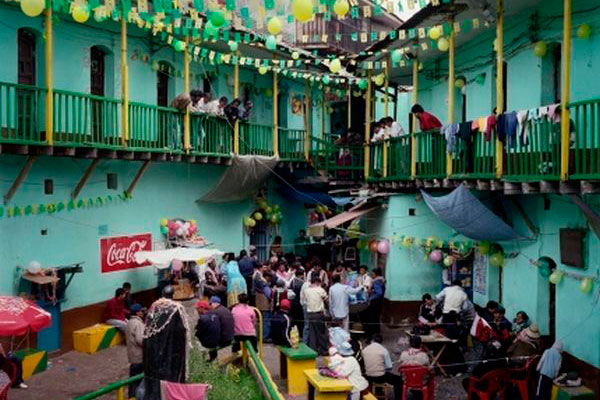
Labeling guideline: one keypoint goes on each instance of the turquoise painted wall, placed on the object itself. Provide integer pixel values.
(522, 286)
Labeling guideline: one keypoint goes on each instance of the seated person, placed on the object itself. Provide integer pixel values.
(526, 344)
(487, 313)
(429, 313)
(281, 325)
(415, 355)
(378, 365)
(520, 322)
(114, 313)
(18, 364)
(337, 334)
(501, 326)
(208, 328)
(128, 300)
(491, 361)
(343, 363)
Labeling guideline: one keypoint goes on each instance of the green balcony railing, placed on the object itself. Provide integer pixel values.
(291, 144)
(22, 114)
(211, 136)
(431, 155)
(475, 159)
(345, 162)
(539, 157)
(584, 139)
(376, 161)
(399, 153)
(256, 139)
(83, 119)
(153, 128)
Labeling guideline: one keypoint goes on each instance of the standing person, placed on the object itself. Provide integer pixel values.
(372, 315)
(212, 281)
(114, 314)
(134, 334)
(393, 128)
(339, 298)
(246, 111)
(453, 298)
(502, 327)
(236, 283)
(297, 312)
(248, 265)
(343, 363)
(301, 244)
(548, 367)
(232, 111)
(276, 249)
(318, 272)
(319, 251)
(281, 325)
(244, 319)
(314, 298)
(378, 365)
(263, 292)
(208, 328)
(427, 121)
(217, 107)
(341, 272)
(182, 103)
(226, 321)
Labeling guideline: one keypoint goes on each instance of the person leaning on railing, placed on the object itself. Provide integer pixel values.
(427, 121)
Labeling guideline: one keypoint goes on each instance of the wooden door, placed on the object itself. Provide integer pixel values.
(26, 99)
(162, 88)
(97, 78)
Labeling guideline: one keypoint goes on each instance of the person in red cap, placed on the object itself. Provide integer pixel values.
(208, 328)
(281, 324)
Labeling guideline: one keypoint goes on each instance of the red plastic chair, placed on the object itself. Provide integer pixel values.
(11, 371)
(521, 377)
(497, 380)
(417, 377)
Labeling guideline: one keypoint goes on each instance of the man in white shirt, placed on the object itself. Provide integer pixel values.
(339, 297)
(314, 298)
(415, 354)
(453, 297)
(392, 128)
(378, 365)
(217, 107)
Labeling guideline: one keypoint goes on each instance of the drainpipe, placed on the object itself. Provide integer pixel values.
(124, 83)
(451, 90)
(49, 77)
(500, 83)
(566, 93)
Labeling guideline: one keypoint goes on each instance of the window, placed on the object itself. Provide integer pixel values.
(27, 62)
(164, 84)
(97, 71)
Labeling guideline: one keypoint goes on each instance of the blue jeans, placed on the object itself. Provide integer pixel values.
(266, 324)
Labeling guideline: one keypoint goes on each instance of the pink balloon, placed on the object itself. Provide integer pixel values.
(172, 225)
(436, 256)
(383, 246)
(177, 265)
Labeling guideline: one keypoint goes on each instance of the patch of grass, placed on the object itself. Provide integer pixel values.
(227, 383)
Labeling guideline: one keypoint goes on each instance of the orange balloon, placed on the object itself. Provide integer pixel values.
(373, 246)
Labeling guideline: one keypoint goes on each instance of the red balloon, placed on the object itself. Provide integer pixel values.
(373, 246)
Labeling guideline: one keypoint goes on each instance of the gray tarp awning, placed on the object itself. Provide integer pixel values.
(467, 215)
(241, 180)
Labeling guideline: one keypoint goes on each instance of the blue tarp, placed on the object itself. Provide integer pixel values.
(467, 215)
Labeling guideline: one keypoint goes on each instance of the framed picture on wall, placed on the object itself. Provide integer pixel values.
(572, 247)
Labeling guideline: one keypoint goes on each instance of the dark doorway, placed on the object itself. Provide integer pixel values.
(26, 99)
(260, 238)
(97, 79)
(162, 86)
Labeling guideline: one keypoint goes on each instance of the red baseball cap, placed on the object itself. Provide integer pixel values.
(202, 304)
(285, 305)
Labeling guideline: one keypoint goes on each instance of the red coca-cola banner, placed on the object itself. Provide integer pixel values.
(116, 253)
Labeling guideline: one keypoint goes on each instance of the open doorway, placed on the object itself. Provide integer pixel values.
(260, 239)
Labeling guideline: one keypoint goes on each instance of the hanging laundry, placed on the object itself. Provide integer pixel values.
(482, 124)
(554, 113)
(501, 127)
(523, 126)
(475, 125)
(465, 129)
(490, 127)
(510, 130)
(450, 131)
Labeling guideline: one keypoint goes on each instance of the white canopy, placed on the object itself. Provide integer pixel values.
(162, 258)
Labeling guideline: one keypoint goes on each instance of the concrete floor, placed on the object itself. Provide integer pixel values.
(73, 374)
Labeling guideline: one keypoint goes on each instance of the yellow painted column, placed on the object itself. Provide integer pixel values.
(385, 112)
(236, 94)
(500, 83)
(566, 93)
(49, 77)
(415, 100)
(368, 125)
(124, 83)
(186, 89)
(307, 122)
(451, 89)
(275, 115)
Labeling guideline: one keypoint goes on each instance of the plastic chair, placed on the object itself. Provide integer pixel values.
(497, 381)
(379, 390)
(11, 371)
(521, 377)
(417, 377)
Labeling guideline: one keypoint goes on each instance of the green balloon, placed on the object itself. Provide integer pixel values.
(326, 80)
(271, 43)
(60, 206)
(70, 205)
(164, 230)
(363, 84)
(28, 209)
(396, 55)
(217, 18)
(42, 208)
(233, 46)
(210, 29)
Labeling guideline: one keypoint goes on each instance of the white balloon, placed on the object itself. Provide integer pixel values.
(180, 231)
(186, 226)
(34, 267)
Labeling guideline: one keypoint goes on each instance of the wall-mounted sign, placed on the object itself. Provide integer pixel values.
(117, 252)
(480, 274)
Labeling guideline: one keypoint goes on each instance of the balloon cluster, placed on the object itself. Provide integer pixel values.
(272, 213)
(374, 246)
(178, 228)
(494, 250)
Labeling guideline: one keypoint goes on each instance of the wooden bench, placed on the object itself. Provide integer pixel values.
(292, 363)
(96, 337)
(325, 388)
(33, 361)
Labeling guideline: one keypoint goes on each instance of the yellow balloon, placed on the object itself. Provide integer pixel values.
(335, 66)
(341, 7)
(302, 10)
(32, 8)
(435, 33)
(164, 222)
(262, 70)
(379, 80)
(443, 44)
(274, 26)
(295, 55)
(80, 14)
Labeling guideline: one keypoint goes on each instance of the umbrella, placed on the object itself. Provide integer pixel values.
(18, 316)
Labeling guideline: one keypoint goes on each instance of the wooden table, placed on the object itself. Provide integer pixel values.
(292, 363)
(325, 388)
(435, 337)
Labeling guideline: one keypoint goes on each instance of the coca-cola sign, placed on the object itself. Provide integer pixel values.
(117, 252)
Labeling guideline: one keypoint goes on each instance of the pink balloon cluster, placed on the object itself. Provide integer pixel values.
(181, 228)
